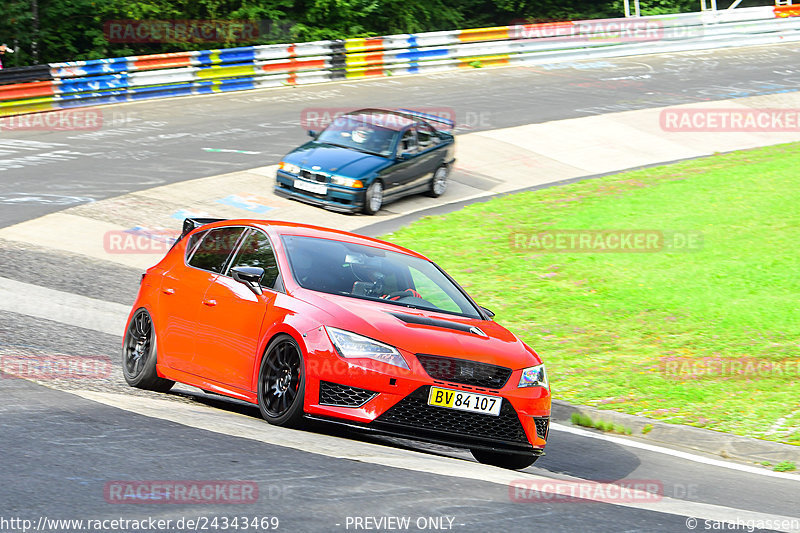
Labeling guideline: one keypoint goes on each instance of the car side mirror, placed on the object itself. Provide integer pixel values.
(488, 312)
(312, 133)
(250, 276)
(402, 156)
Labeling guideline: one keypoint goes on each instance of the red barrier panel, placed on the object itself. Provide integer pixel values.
(787, 11)
(158, 61)
(33, 89)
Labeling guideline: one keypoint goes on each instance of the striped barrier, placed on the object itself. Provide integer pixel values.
(105, 81)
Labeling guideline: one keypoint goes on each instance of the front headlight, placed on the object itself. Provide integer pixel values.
(534, 376)
(288, 167)
(352, 346)
(347, 182)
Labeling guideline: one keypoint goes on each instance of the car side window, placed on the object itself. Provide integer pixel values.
(215, 248)
(426, 137)
(256, 251)
(408, 142)
(191, 244)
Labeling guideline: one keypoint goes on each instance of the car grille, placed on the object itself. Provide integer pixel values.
(343, 395)
(464, 371)
(414, 411)
(542, 427)
(314, 176)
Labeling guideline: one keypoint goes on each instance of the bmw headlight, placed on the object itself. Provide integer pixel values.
(353, 346)
(288, 167)
(534, 376)
(347, 182)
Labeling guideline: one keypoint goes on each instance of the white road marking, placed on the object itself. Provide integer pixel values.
(243, 426)
(63, 307)
(675, 453)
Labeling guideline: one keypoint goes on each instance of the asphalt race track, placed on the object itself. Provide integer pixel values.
(60, 449)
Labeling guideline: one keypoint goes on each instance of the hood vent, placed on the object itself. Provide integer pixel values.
(439, 323)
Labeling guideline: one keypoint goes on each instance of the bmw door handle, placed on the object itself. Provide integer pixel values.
(210, 303)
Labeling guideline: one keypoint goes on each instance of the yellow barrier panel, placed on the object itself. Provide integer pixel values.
(499, 33)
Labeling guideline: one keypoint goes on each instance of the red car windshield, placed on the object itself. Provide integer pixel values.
(361, 132)
(370, 273)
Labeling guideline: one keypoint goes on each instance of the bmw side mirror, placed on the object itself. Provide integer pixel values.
(250, 276)
(312, 133)
(488, 312)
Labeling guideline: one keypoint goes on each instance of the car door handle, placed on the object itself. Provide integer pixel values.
(168, 290)
(210, 303)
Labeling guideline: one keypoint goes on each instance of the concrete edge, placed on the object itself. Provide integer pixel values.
(725, 445)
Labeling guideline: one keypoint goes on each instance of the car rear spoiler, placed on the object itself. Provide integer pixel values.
(190, 224)
(428, 116)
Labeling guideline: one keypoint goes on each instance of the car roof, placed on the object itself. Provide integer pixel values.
(319, 232)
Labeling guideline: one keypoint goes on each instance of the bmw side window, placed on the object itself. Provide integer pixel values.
(256, 251)
(426, 136)
(215, 248)
(408, 143)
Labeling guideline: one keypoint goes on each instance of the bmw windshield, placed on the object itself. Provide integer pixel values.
(370, 273)
(360, 133)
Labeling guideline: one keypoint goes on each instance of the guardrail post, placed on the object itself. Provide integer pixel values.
(636, 11)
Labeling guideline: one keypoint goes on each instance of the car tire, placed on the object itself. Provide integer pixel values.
(139, 355)
(373, 198)
(439, 182)
(282, 383)
(510, 460)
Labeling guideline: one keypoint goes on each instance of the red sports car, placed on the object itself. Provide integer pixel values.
(314, 323)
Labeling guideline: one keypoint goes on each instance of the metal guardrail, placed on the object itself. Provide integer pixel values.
(105, 81)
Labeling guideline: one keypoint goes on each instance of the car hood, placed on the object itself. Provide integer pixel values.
(426, 332)
(334, 159)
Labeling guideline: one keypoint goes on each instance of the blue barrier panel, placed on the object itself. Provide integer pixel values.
(85, 100)
(172, 89)
(98, 83)
(417, 55)
(92, 67)
(244, 54)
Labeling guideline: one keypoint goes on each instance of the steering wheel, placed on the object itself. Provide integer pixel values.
(408, 293)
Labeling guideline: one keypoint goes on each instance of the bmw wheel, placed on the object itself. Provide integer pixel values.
(439, 181)
(373, 198)
(282, 383)
(510, 460)
(139, 354)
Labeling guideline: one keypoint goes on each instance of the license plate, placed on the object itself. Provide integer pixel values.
(465, 401)
(316, 188)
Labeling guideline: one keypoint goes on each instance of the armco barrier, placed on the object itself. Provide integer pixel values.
(123, 79)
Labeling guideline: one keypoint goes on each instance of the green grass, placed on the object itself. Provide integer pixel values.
(579, 419)
(785, 466)
(609, 325)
